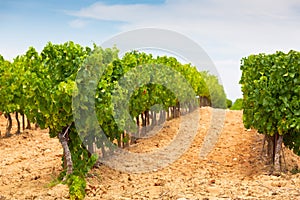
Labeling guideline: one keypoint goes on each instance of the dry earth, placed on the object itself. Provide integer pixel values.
(234, 168)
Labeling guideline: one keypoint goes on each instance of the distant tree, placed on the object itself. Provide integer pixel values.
(228, 103)
(237, 105)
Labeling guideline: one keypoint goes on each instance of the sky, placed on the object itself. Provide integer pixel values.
(227, 30)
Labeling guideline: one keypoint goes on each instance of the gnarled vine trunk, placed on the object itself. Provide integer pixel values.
(277, 157)
(63, 139)
(270, 148)
(274, 148)
(9, 125)
(18, 123)
(28, 124)
(23, 121)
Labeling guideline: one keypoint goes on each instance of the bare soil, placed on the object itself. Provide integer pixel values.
(234, 168)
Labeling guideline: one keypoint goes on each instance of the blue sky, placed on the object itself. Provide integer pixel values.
(226, 29)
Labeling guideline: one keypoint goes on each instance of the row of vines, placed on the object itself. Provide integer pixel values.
(271, 100)
(45, 87)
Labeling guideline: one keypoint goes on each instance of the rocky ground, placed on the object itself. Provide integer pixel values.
(216, 165)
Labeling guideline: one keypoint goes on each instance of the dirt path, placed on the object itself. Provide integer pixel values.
(233, 169)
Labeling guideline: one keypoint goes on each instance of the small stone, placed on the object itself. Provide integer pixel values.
(212, 181)
(278, 184)
(47, 151)
(214, 190)
(273, 177)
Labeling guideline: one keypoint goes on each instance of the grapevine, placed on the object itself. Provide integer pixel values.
(46, 86)
(271, 89)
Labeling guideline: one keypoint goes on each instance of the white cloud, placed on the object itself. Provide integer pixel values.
(241, 24)
(78, 23)
(125, 13)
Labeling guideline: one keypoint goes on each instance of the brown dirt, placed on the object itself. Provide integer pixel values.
(234, 169)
